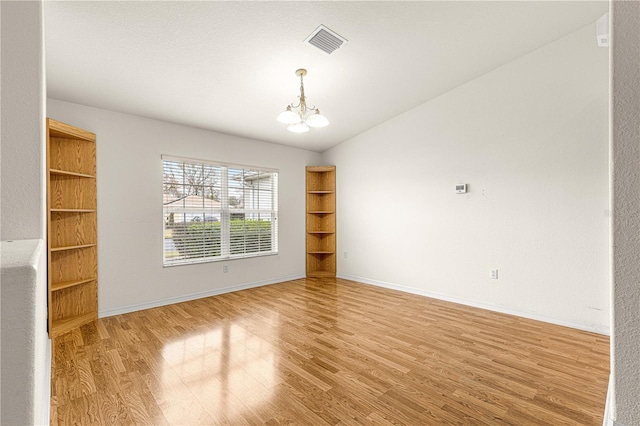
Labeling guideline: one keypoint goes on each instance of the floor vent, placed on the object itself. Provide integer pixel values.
(325, 39)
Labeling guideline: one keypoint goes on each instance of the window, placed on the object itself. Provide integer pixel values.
(216, 211)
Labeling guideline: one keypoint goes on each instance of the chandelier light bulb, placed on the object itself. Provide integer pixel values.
(298, 127)
(317, 120)
(288, 117)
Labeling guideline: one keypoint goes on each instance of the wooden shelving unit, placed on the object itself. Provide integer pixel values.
(321, 221)
(72, 227)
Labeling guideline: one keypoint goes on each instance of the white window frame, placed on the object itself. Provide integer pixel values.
(225, 213)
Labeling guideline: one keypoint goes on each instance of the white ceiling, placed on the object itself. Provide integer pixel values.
(229, 66)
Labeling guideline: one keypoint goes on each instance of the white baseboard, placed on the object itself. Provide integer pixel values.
(193, 296)
(467, 302)
(45, 404)
(482, 305)
(608, 406)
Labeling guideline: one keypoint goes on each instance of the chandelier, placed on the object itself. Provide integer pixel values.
(300, 117)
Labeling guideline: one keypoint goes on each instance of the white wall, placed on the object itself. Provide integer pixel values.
(25, 347)
(531, 140)
(23, 195)
(130, 221)
(625, 362)
(26, 354)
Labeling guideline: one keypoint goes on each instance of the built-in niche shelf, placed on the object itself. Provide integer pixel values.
(72, 227)
(321, 221)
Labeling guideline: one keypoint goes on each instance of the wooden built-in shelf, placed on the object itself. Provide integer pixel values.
(66, 284)
(68, 173)
(79, 246)
(321, 221)
(63, 325)
(71, 228)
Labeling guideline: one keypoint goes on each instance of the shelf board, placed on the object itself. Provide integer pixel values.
(64, 325)
(320, 211)
(58, 129)
(72, 247)
(73, 210)
(320, 169)
(66, 284)
(320, 252)
(320, 274)
(320, 232)
(68, 173)
(321, 192)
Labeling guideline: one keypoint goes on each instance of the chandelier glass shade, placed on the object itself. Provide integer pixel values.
(300, 117)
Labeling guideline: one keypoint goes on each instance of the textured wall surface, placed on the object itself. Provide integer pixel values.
(25, 361)
(23, 194)
(530, 139)
(625, 57)
(25, 354)
(130, 219)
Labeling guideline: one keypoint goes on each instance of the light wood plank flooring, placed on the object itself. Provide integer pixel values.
(327, 352)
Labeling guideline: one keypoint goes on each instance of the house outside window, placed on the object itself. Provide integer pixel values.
(216, 211)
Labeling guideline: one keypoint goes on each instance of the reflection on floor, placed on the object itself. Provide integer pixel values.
(323, 352)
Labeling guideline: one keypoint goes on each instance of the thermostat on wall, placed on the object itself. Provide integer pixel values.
(461, 188)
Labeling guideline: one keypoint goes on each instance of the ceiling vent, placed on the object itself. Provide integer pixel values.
(325, 39)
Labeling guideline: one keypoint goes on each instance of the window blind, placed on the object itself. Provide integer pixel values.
(217, 211)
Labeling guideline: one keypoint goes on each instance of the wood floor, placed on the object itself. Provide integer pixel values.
(327, 352)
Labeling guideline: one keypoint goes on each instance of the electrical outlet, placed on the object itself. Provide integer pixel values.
(493, 274)
(225, 268)
(345, 254)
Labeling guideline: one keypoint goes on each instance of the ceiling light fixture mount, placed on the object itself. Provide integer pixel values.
(299, 117)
